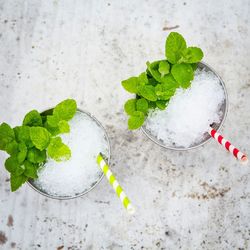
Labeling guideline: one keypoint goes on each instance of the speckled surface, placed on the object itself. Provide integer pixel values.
(52, 50)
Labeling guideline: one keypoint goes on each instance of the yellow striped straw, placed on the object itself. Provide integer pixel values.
(114, 183)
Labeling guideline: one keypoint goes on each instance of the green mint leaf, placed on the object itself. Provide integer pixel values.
(131, 84)
(12, 148)
(151, 105)
(164, 91)
(21, 155)
(36, 156)
(142, 105)
(64, 127)
(57, 150)
(16, 181)
(6, 135)
(153, 68)
(152, 81)
(164, 68)
(53, 120)
(65, 110)
(194, 66)
(33, 118)
(183, 73)
(170, 81)
(129, 106)
(161, 104)
(148, 92)
(40, 137)
(13, 166)
(192, 55)
(175, 45)
(136, 120)
(22, 134)
(143, 79)
(30, 170)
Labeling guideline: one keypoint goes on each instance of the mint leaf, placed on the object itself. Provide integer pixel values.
(164, 68)
(57, 150)
(36, 156)
(175, 45)
(129, 106)
(164, 91)
(170, 81)
(151, 105)
(143, 79)
(142, 105)
(53, 120)
(161, 104)
(30, 170)
(153, 68)
(22, 134)
(148, 92)
(183, 73)
(65, 110)
(33, 118)
(194, 66)
(130, 84)
(40, 137)
(64, 127)
(16, 181)
(21, 155)
(6, 135)
(136, 120)
(13, 166)
(12, 148)
(192, 55)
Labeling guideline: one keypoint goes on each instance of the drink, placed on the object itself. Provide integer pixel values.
(67, 179)
(186, 120)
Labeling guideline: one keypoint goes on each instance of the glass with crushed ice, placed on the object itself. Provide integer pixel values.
(80, 174)
(184, 123)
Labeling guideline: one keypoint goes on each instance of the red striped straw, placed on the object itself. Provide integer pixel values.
(231, 148)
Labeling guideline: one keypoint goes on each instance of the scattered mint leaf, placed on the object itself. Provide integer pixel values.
(21, 155)
(6, 135)
(142, 105)
(63, 127)
(40, 137)
(164, 68)
(30, 170)
(192, 55)
(16, 181)
(131, 84)
(136, 120)
(175, 45)
(36, 156)
(148, 92)
(57, 150)
(130, 106)
(33, 118)
(183, 73)
(65, 110)
(12, 148)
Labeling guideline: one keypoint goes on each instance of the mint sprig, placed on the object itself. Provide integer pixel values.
(37, 138)
(155, 87)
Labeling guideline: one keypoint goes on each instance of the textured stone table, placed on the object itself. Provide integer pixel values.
(52, 50)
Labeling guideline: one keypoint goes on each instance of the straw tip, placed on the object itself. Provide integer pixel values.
(131, 209)
(244, 160)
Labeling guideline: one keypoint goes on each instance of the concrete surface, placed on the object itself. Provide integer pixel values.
(52, 50)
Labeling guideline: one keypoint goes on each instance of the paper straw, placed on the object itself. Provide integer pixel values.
(227, 145)
(114, 183)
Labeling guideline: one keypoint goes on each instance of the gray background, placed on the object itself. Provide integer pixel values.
(52, 50)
